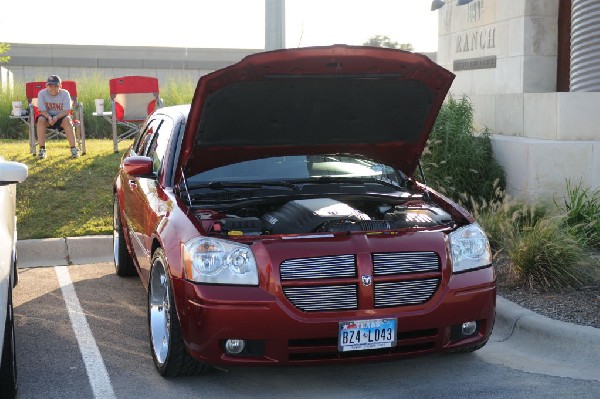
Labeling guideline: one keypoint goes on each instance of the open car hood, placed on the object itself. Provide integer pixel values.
(376, 102)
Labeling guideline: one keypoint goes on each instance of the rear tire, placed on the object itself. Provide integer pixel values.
(166, 342)
(123, 262)
(8, 365)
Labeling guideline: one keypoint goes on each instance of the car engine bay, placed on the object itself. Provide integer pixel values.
(320, 215)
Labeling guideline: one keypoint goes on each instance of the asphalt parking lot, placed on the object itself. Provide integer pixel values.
(81, 333)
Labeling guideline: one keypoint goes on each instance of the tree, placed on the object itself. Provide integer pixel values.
(386, 41)
(4, 47)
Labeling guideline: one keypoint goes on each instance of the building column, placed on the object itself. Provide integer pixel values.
(274, 24)
(585, 45)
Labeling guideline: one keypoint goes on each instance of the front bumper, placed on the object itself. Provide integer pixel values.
(278, 333)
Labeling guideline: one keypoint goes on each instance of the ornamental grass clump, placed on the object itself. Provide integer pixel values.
(531, 246)
(544, 255)
(504, 218)
(582, 207)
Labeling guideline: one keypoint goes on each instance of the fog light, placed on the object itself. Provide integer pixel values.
(235, 346)
(469, 328)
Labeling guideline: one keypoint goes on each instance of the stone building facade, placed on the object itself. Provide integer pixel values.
(532, 71)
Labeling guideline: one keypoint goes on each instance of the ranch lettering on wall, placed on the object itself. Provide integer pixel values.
(480, 39)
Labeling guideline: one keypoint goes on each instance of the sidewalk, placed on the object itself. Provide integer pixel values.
(536, 343)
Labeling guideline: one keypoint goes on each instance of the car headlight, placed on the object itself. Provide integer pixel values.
(469, 248)
(211, 260)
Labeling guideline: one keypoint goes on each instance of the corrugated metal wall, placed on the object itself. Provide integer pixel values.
(585, 45)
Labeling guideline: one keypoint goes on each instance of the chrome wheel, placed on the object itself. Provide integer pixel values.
(159, 312)
(166, 342)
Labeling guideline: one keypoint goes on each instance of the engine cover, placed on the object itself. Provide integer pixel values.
(305, 216)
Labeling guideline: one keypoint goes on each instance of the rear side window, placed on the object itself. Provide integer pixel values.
(160, 140)
(141, 137)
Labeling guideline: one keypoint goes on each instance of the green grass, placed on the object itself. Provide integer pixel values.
(65, 197)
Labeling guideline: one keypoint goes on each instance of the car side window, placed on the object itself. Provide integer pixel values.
(160, 140)
(149, 137)
(141, 137)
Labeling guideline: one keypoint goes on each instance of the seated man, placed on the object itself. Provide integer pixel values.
(54, 104)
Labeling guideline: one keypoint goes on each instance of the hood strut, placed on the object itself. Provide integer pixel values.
(187, 191)
(426, 192)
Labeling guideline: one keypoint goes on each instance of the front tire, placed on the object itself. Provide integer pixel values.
(166, 343)
(8, 365)
(123, 262)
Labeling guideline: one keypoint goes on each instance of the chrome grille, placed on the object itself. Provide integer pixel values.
(320, 267)
(323, 298)
(402, 293)
(405, 262)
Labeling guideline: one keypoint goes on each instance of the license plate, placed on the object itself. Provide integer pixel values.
(360, 335)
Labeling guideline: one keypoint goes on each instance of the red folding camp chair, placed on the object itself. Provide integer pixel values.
(32, 89)
(133, 98)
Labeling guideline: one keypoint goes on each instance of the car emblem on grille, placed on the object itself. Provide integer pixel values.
(366, 280)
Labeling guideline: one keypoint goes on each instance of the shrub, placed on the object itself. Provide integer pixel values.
(459, 162)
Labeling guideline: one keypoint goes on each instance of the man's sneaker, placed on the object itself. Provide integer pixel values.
(74, 152)
(42, 153)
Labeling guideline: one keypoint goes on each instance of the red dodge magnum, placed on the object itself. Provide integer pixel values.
(277, 219)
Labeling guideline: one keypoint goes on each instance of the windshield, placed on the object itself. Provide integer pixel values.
(298, 167)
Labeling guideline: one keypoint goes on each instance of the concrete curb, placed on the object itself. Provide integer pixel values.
(543, 345)
(536, 342)
(64, 251)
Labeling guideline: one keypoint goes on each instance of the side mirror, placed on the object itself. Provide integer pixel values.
(138, 166)
(12, 172)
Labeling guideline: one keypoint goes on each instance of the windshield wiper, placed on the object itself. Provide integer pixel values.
(222, 185)
(349, 179)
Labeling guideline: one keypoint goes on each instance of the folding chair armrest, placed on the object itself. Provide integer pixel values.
(78, 110)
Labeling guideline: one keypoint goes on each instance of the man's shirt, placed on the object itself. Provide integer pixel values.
(54, 104)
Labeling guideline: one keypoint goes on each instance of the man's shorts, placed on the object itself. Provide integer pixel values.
(57, 125)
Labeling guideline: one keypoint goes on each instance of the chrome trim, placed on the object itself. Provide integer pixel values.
(405, 262)
(403, 293)
(319, 267)
(323, 298)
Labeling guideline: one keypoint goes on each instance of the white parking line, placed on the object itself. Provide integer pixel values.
(94, 365)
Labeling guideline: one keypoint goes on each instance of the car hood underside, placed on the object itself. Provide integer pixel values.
(374, 102)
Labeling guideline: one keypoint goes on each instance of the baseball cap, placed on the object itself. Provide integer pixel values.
(53, 80)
